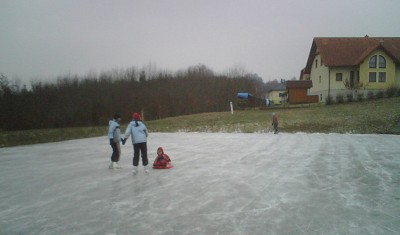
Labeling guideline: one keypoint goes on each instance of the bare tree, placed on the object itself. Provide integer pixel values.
(237, 71)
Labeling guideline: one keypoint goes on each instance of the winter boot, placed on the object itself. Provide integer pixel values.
(146, 169)
(116, 165)
(135, 170)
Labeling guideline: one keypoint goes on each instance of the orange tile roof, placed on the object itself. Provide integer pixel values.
(351, 51)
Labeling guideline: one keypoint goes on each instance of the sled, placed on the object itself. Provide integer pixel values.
(163, 167)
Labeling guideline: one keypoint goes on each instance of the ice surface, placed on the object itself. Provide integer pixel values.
(220, 184)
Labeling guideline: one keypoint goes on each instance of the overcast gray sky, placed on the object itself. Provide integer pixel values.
(42, 39)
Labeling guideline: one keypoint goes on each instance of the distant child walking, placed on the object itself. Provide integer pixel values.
(138, 130)
(275, 123)
(162, 160)
(114, 135)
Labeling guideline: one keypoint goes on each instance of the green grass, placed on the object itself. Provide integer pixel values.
(12, 138)
(380, 116)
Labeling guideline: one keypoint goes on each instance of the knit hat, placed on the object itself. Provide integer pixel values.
(117, 115)
(136, 117)
(160, 148)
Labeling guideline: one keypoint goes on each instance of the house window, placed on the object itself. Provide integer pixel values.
(372, 77)
(382, 62)
(339, 77)
(321, 62)
(320, 97)
(319, 79)
(382, 76)
(372, 62)
(316, 63)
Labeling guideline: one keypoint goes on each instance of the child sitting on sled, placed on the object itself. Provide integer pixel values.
(162, 160)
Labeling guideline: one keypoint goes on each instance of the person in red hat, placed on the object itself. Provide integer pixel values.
(138, 130)
(162, 160)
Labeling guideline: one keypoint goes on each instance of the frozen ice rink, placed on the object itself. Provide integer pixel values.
(220, 184)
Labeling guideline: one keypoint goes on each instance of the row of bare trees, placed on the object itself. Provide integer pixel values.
(92, 100)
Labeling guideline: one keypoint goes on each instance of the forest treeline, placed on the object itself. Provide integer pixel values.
(92, 100)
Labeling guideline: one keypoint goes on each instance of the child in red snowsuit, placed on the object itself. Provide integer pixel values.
(162, 160)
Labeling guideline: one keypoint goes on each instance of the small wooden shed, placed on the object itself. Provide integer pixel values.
(298, 92)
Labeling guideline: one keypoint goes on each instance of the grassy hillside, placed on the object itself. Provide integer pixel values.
(380, 116)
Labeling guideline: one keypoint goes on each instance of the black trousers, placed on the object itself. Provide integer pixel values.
(116, 152)
(275, 127)
(137, 149)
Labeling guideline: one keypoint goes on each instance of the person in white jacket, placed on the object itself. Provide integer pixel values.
(138, 130)
(114, 135)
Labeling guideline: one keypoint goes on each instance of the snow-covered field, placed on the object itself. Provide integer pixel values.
(220, 184)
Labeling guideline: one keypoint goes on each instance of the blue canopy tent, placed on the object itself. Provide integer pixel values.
(244, 95)
(246, 100)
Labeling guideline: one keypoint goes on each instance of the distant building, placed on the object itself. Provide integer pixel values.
(352, 64)
(278, 94)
